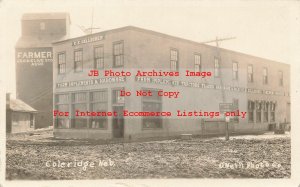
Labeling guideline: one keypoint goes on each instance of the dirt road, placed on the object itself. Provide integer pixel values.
(41, 157)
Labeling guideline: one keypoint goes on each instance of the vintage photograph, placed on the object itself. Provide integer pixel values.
(148, 90)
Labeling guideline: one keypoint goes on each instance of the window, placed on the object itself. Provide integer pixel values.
(272, 111)
(42, 26)
(235, 71)
(99, 57)
(61, 63)
(265, 76)
(258, 105)
(79, 97)
(78, 65)
(280, 78)
(217, 67)
(174, 60)
(250, 73)
(62, 104)
(79, 103)
(235, 104)
(197, 61)
(266, 111)
(98, 103)
(152, 104)
(62, 98)
(118, 54)
(117, 98)
(251, 111)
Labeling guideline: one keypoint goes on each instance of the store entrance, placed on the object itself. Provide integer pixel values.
(118, 122)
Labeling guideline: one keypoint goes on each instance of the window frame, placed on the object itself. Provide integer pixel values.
(91, 104)
(258, 110)
(251, 109)
(172, 60)
(266, 111)
(217, 68)
(272, 111)
(101, 57)
(121, 55)
(74, 58)
(265, 77)
(200, 62)
(250, 74)
(58, 103)
(235, 104)
(73, 109)
(235, 74)
(42, 26)
(59, 64)
(159, 101)
(280, 78)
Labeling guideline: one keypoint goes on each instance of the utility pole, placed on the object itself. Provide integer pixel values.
(217, 40)
(89, 30)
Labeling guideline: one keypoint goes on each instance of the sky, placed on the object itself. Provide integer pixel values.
(267, 29)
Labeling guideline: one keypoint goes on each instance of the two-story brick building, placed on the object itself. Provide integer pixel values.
(257, 86)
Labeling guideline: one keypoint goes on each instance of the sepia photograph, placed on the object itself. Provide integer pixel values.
(138, 90)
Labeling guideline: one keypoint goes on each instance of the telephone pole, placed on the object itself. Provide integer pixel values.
(217, 40)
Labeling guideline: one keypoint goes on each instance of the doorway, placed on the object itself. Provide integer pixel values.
(118, 122)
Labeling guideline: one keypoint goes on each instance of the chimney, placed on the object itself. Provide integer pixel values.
(8, 100)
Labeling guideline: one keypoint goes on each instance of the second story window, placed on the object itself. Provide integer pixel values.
(42, 26)
(235, 71)
(174, 60)
(197, 59)
(99, 57)
(265, 76)
(118, 53)
(78, 65)
(250, 73)
(280, 78)
(217, 67)
(61, 63)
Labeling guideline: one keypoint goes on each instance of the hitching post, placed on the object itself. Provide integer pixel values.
(227, 119)
(226, 107)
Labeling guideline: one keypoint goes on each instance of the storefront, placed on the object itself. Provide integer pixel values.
(160, 96)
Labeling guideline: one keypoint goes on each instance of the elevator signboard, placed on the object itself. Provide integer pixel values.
(34, 56)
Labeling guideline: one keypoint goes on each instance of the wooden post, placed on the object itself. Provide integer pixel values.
(227, 120)
(226, 132)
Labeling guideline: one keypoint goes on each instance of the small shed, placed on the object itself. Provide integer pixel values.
(20, 117)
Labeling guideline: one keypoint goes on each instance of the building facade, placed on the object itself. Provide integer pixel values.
(34, 57)
(258, 87)
(20, 117)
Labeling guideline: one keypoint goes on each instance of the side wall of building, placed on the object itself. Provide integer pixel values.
(21, 122)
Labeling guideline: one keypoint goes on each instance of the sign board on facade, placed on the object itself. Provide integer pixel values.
(91, 82)
(225, 107)
(89, 39)
(34, 56)
(206, 86)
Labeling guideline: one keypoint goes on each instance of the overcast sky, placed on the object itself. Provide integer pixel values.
(268, 29)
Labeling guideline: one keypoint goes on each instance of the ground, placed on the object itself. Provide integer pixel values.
(39, 156)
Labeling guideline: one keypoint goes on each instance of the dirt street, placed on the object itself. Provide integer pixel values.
(41, 157)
